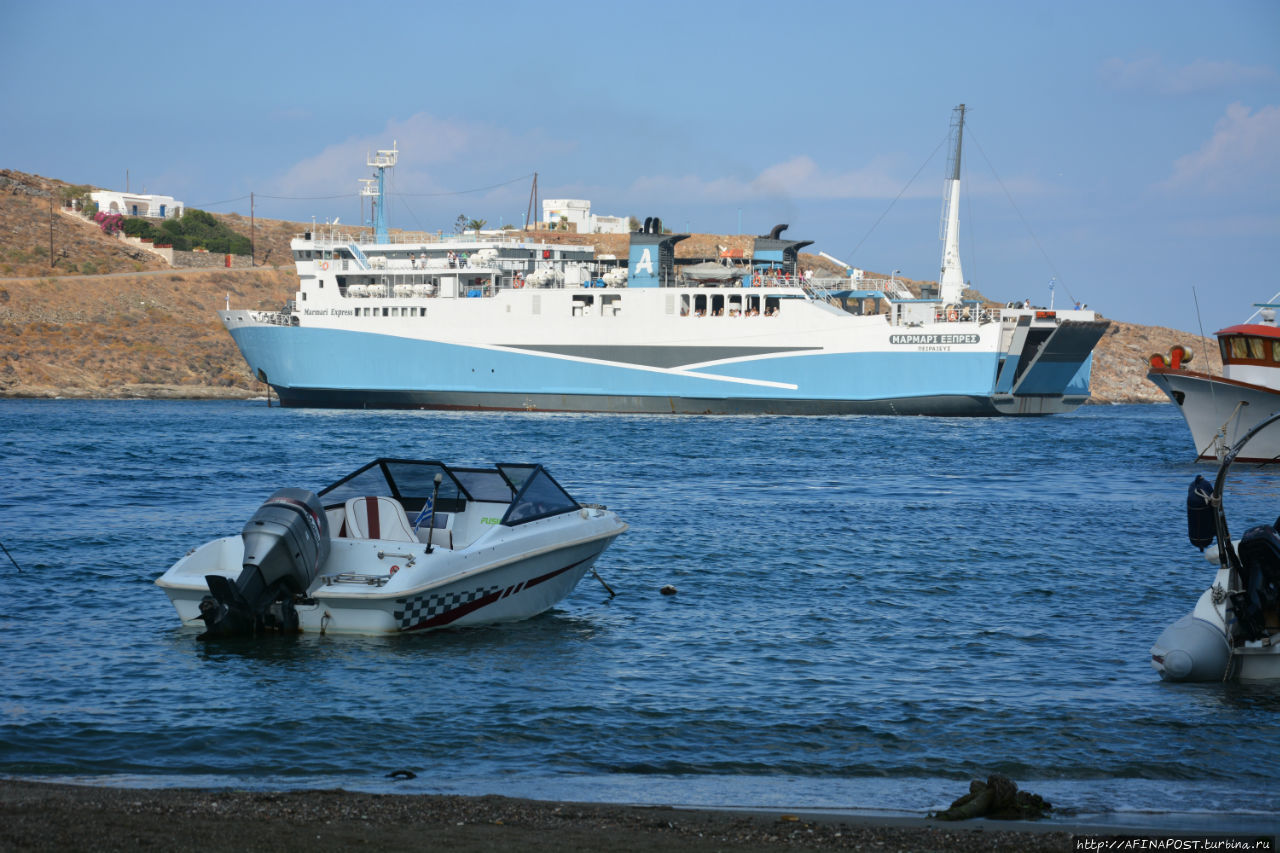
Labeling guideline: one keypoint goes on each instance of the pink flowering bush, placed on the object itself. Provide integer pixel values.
(110, 223)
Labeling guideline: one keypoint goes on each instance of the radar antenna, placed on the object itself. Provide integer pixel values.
(375, 188)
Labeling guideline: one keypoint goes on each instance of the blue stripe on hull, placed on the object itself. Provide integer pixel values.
(325, 367)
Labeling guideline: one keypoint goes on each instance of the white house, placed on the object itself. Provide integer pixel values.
(135, 204)
(578, 212)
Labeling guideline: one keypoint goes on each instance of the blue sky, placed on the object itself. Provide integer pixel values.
(1129, 150)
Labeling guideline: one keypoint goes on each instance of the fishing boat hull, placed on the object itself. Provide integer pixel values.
(1220, 411)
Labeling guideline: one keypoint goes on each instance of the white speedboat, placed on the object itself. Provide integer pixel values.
(1220, 409)
(398, 545)
(1234, 631)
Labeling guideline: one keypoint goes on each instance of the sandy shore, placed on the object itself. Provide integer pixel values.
(41, 816)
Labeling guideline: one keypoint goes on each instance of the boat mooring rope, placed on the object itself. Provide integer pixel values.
(612, 594)
(10, 556)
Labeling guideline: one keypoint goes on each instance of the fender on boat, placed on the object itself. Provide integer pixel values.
(1200, 520)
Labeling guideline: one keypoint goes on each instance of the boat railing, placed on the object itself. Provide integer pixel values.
(324, 235)
(965, 314)
(273, 318)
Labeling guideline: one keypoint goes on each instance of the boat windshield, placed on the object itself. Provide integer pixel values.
(539, 495)
(398, 478)
(485, 484)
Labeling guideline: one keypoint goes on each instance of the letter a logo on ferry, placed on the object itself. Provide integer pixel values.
(645, 264)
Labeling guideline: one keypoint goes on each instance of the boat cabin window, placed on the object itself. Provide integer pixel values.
(1237, 349)
(539, 495)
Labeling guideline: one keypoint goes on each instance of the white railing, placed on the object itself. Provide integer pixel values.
(328, 235)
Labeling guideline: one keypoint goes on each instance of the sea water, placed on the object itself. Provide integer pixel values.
(870, 613)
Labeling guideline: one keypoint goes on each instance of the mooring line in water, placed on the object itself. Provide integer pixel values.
(602, 583)
(10, 556)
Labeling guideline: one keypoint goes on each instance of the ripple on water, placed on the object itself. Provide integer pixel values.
(865, 605)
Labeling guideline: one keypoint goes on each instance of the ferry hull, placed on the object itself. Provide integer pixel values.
(386, 371)
(336, 398)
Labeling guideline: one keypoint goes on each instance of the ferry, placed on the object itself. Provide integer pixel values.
(494, 322)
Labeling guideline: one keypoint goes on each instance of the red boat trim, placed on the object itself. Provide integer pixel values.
(1251, 329)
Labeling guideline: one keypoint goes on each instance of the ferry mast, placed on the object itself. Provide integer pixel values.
(951, 279)
(384, 159)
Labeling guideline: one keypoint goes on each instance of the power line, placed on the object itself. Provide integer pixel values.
(465, 192)
(203, 205)
(348, 195)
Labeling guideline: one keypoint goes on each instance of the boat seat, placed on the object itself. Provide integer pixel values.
(377, 517)
(337, 521)
(441, 533)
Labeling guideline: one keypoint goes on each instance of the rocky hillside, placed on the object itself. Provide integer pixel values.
(108, 320)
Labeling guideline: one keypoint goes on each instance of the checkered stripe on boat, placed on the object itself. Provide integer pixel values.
(433, 609)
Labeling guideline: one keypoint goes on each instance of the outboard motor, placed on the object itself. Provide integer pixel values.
(285, 543)
(1201, 529)
(1259, 553)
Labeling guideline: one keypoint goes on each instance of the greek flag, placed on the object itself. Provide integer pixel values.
(427, 514)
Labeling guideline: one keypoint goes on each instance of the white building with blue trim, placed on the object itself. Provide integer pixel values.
(137, 204)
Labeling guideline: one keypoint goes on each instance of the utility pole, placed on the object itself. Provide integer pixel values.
(51, 231)
(253, 257)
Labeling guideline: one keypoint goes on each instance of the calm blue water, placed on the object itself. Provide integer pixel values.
(871, 612)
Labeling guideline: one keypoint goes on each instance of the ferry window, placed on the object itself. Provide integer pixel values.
(1256, 349)
(717, 305)
(384, 312)
(582, 305)
(1238, 348)
(611, 305)
(684, 305)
